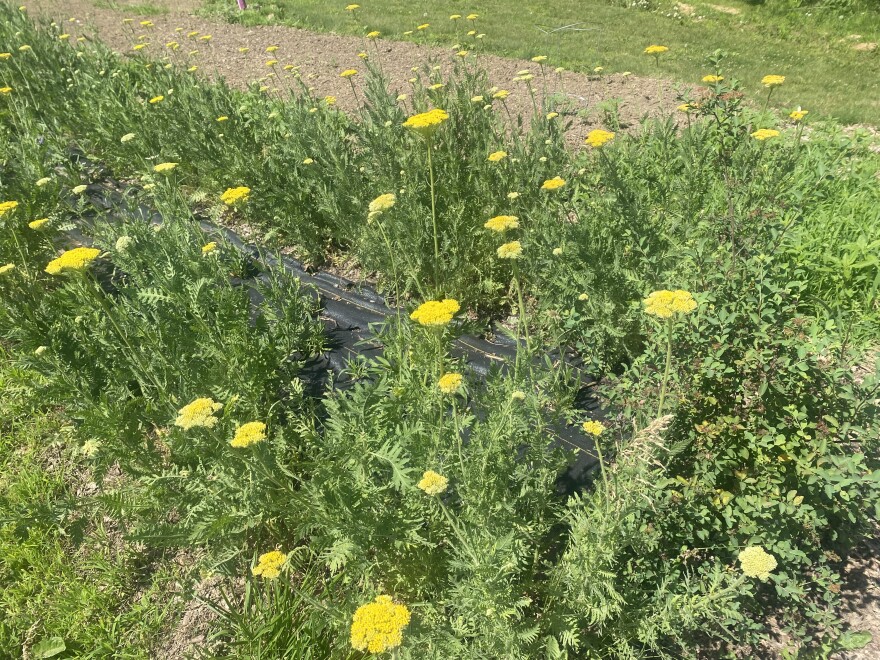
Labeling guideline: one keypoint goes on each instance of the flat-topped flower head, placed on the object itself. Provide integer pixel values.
(539, 58)
(501, 94)
(712, 79)
(664, 304)
(472, 17)
(449, 383)
(655, 49)
(553, 184)
(7, 207)
(7, 268)
(435, 312)
(157, 99)
(234, 196)
(423, 26)
(597, 137)
(373, 35)
(73, 260)
(756, 562)
(38, 224)
(593, 427)
(378, 626)
(208, 248)
(381, 204)
(425, 123)
(502, 223)
(772, 80)
(433, 483)
(765, 134)
(352, 7)
(249, 434)
(163, 168)
(798, 115)
(348, 73)
(496, 156)
(6, 90)
(687, 108)
(269, 564)
(199, 413)
(5, 56)
(512, 250)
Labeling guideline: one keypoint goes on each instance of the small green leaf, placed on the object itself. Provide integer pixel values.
(52, 646)
(850, 641)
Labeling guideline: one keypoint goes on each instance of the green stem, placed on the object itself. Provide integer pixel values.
(666, 371)
(434, 217)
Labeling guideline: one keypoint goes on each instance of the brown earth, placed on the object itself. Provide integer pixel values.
(321, 58)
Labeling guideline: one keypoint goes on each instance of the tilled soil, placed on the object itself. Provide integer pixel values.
(321, 58)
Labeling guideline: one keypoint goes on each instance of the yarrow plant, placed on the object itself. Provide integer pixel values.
(436, 312)
(667, 304)
(74, 260)
(757, 562)
(269, 565)
(378, 626)
(249, 434)
(501, 223)
(450, 383)
(199, 413)
(233, 196)
(597, 138)
(433, 483)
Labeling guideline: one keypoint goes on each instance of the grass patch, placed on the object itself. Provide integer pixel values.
(813, 49)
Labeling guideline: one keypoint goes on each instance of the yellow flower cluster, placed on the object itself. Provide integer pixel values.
(765, 134)
(249, 434)
(5, 90)
(433, 483)
(37, 224)
(425, 123)
(72, 260)
(449, 383)
(161, 168)
(512, 250)
(373, 35)
(798, 115)
(553, 184)
(270, 564)
(593, 427)
(596, 138)
(378, 626)
(6, 207)
(157, 99)
(756, 562)
(664, 304)
(496, 156)
(235, 195)
(382, 203)
(655, 50)
(198, 413)
(348, 73)
(435, 312)
(501, 223)
(208, 248)
(501, 94)
(712, 79)
(772, 81)
(7, 268)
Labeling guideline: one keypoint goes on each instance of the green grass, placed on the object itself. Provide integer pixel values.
(813, 49)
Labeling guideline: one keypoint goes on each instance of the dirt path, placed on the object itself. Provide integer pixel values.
(321, 58)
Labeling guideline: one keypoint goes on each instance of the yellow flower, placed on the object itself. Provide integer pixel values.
(307, 161)
(501, 94)
(205, 37)
(426, 123)
(5, 90)
(433, 483)
(79, 190)
(756, 562)
(664, 304)
(23, 49)
(271, 49)
(449, 383)
(473, 17)
(270, 564)
(348, 73)
(5, 56)
(192, 33)
(553, 184)
(173, 45)
(463, 53)
(352, 7)
(7, 268)
(765, 134)
(244, 49)
(435, 312)
(593, 427)
(378, 626)
(208, 248)
(37, 224)
(655, 50)
(382, 203)
(76, 259)
(6, 207)
(157, 99)
(557, 251)
(686, 107)
(161, 168)
(512, 250)
(199, 413)
(598, 69)
(712, 79)
(539, 58)
(798, 115)
(423, 26)
(64, 37)
(455, 17)
(235, 195)
(436, 86)
(501, 223)
(552, 115)
(596, 138)
(772, 81)
(249, 434)
(223, 118)
(147, 23)
(271, 62)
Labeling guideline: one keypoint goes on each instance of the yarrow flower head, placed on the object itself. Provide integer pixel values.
(352, 7)
(772, 81)
(711, 79)
(664, 304)
(501, 223)
(373, 35)
(501, 94)
(80, 189)
(765, 134)
(496, 156)
(433, 483)
(198, 413)
(6, 207)
(348, 73)
(249, 434)
(128, 137)
(512, 250)
(208, 248)
(234, 196)
(756, 562)
(6, 268)
(157, 99)
(42, 182)
(449, 383)
(378, 626)
(381, 204)
(38, 224)
(6, 90)
(123, 243)
(426, 123)
(270, 564)
(435, 312)
(76, 259)
(654, 49)
(596, 138)
(593, 427)
(798, 115)
(553, 184)
(162, 168)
